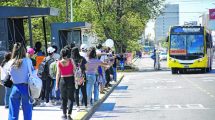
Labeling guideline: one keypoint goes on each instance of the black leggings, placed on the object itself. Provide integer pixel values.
(107, 76)
(67, 88)
(47, 87)
(84, 93)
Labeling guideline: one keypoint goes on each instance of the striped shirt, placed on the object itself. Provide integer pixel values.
(92, 66)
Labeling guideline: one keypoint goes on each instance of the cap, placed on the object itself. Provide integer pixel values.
(83, 47)
(50, 50)
(30, 51)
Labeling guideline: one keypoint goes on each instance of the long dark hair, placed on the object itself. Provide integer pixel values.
(18, 53)
(92, 53)
(7, 57)
(38, 46)
(63, 53)
(76, 55)
(68, 49)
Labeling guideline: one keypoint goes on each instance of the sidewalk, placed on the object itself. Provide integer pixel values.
(55, 113)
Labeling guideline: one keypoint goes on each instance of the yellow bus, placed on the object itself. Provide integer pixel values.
(189, 47)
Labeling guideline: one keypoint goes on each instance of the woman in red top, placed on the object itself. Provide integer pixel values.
(65, 71)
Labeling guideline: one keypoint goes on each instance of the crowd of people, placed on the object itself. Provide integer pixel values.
(76, 75)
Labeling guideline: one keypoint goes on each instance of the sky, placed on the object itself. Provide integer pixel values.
(189, 10)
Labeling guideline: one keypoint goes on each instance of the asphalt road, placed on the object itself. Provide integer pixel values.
(147, 64)
(161, 96)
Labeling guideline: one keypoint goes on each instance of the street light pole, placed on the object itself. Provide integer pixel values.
(71, 12)
(67, 11)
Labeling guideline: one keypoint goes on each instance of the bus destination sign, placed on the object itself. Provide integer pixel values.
(178, 52)
(187, 30)
(191, 29)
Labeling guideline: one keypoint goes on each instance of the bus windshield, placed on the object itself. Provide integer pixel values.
(186, 45)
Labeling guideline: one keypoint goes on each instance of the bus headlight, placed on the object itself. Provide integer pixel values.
(200, 60)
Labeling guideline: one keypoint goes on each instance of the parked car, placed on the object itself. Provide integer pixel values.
(163, 56)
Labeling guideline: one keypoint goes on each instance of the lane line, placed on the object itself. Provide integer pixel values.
(199, 88)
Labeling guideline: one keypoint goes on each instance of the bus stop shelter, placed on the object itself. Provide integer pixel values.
(12, 28)
(63, 34)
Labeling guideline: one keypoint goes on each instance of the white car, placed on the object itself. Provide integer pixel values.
(163, 56)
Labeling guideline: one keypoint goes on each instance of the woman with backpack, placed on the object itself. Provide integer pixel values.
(4, 68)
(19, 75)
(65, 75)
(80, 63)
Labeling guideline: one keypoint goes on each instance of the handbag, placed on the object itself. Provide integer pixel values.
(79, 76)
(34, 82)
(8, 82)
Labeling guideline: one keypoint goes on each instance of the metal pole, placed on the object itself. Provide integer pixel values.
(71, 12)
(67, 11)
(30, 31)
(44, 31)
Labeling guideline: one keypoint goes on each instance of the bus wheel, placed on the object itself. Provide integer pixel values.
(207, 69)
(204, 70)
(174, 71)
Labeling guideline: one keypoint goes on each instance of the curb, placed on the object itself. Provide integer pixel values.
(86, 116)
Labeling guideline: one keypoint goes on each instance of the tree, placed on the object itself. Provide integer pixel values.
(164, 43)
(122, 21)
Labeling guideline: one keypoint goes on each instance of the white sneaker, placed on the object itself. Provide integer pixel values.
(87, 109)
(42, 104)
(58, 102)
(78, 109)
(49, 104)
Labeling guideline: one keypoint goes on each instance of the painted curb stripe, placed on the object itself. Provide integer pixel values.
(86, 115)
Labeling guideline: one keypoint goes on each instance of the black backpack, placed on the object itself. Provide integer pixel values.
(43, 70)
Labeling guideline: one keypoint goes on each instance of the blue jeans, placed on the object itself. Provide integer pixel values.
(55, 94)
(122, 65)
(96, 91)
(114, 74)
(7, 95)
(19, 94)
(91, 78)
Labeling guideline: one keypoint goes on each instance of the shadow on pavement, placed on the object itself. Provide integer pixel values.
(45, 109)
(121, 88)
(106, 107)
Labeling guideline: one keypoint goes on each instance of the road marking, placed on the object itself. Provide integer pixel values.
(159, 81)
(208, 80)
(212, 96)
(163, 87)
(200, 88)
(174, 107)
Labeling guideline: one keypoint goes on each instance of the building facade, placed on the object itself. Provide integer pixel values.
(169, 17)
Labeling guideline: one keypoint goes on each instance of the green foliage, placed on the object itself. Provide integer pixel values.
(133, 46)
(164, 44)
(120, 20)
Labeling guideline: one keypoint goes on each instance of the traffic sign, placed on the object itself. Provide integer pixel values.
(212, 14)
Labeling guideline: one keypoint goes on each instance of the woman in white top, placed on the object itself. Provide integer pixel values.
(4, 73)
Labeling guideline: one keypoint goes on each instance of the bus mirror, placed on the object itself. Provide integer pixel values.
(167, 39)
